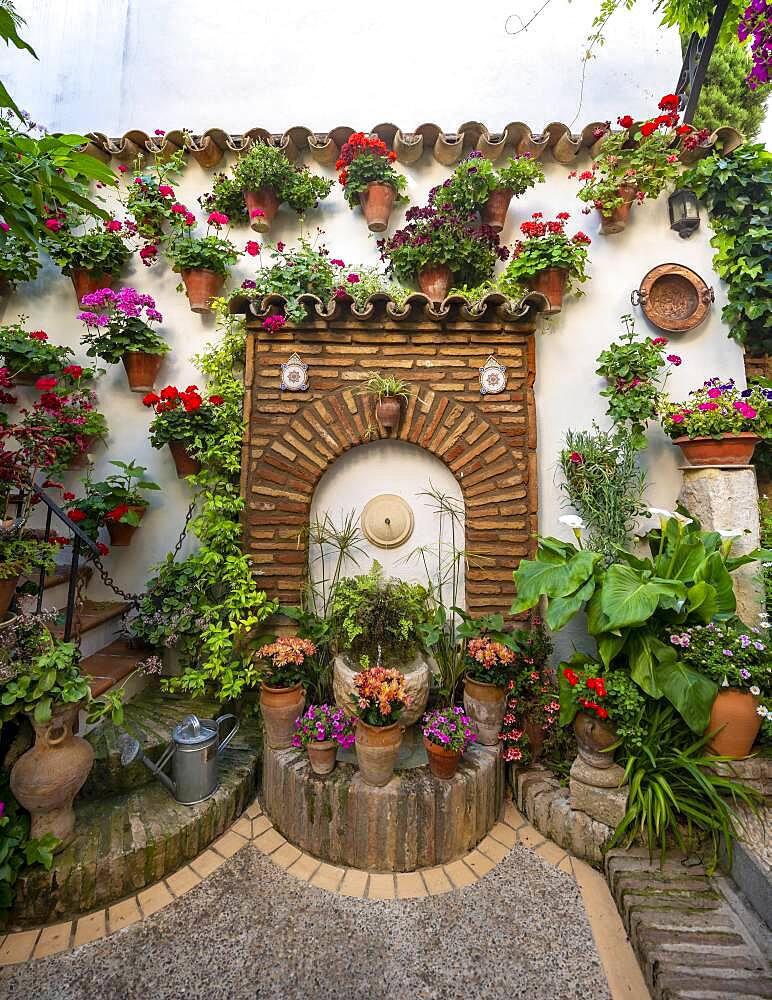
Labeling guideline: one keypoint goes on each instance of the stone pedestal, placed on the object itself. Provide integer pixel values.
(597, 792)
(417, 679)
(727, 499)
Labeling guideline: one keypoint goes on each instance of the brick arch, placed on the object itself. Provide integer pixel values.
(487, 442)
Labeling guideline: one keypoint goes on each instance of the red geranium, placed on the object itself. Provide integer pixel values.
(38, 335)
(117, 512)
(216, 400)
(151, 399)
(77, 515)
(47, 382)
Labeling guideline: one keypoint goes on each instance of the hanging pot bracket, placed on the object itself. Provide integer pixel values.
(673, 298)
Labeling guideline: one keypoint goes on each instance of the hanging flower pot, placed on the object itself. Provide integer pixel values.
(377, 201)
(494, 211)
(262, 206)
(734, 723)
(202, 285)
(122, 534)
(7, 590)
(551, 283)
(377, 748)
(616, 220)
(322, 756)
(485, 704)
(729, 449)
(185, 464)
(435, 281)
(85, 282)
(388, 412)
(443, 763)
(593, 737)
(141, 369)
(280, 707)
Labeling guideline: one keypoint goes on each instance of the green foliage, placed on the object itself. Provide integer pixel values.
(151, 208)
(19, 261)
(17, 849)
(24, 354)
(726, 98)
(105, 500)
(694, 15)
(369, 168)
(94, 249)
(475, 179)
(611, 695)
(268, 167)
(737, 191)
(729, 654)
(211, 252)
(195, 428)
(765, 513)
(24, 556)
(499, 285)
(50, 678)
(304, 270)
(380, 386)
(132, 335)
(226, 196)
(717, 408)
(546, 246)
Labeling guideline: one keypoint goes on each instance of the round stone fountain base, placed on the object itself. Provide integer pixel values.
(415, 821)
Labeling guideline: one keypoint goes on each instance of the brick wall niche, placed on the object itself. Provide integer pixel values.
(488, 442)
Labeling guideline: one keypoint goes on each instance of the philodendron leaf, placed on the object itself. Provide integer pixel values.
(714, 572)
(609, 646)
(536, 579)
(701, 602)
(561, 610)
(644, 654)
(691, 693)
(630, 597)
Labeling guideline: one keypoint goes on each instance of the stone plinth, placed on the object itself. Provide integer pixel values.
(415, 821)
(599, 792)
(727, 499)
(417, 678)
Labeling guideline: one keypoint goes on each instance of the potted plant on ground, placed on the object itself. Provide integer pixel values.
(115, 503)
(379, 699)
(65, 416)
(93, 257)
(21, 556)
(266, 178)
(447, 735)
(28, 354)
(477, 186)
(548, 260)
(491, 657)
(388, 393)
(440, 248)
(320, 730)
(19, 261)
(719, 424)
(203, 262)
(369, 179)
(282, 694)
(184, 420)
(117, 332)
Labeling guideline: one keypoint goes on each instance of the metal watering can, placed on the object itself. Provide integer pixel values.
(193, 751)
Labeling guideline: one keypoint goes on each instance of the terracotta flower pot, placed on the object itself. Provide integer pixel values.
(141, 369)
(730, 449)
(443, 763)
(377, 748)
(377, 201)
(616, 220)
(734, 722)
(494, 211)
(122, 534)
(485, 704)
(85, 282)
(593, 736)
(388, 412)
(552, 284)
(7, 590)
(435, 281)
(280, 707)
(263, 201)
(321, 756)
(47, 778)
(202, 285)
(186, 466)
(81, 460)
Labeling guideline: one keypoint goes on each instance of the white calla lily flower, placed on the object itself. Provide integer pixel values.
(572, 521)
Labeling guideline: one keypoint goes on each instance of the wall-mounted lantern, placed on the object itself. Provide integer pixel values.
(684, 209)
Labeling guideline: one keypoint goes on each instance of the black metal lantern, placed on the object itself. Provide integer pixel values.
(684, 211)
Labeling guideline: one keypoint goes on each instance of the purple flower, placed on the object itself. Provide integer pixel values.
(727, 652)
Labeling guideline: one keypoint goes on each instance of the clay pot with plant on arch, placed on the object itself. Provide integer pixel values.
(389, 393)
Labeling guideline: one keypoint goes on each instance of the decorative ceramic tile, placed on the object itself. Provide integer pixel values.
(493, 377)
(293, 375)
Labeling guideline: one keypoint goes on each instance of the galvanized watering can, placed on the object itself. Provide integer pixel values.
(193, 751)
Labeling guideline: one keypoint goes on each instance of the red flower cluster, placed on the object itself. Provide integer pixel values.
(171, 398)
(594, 684)
(38, 335)
(117, 512)
(357, 144)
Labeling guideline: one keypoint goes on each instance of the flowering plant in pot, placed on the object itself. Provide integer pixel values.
(447, 734)
(369, 179)
(490, 664)
(19, 261)
(28, 354)
(737, 659)
(185, 421)
(320, 730)
(440, 247)
(477, 186)
(720, 424)
(282, 695)
(149, 195)
(379, 698)
(116, 502)
(117, 331)
(65, 415)
(267, 178)
(203, 262)
(531, 705)
(92, 257)
(388, 393)
(22, 556)
(548, 260)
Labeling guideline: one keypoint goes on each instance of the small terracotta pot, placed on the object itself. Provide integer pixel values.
(7, 590)
(141, 369)
(734, 723)
(377, 201)
(186, 466)
(122, 534)
(730, 449)
(388, 412)
(202, 285)
(616, 220)
(280, 707)
(593, 736)
(81, 461)
(321, 756)
(535, 735)
(377, 748)
(552, 284)
(85, 282)
(264, 201)
(443, 763)
(485, 704)
(494, 211)
(435, 281)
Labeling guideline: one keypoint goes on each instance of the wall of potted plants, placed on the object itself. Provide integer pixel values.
(320, 730)
(184, 420)
(28, 354)
(116, 503)
(388, 393)
(19, 261)
(118, 331)
(379, 700)
(282, 695)
(477, 186)
(548, 260)
(92, 252)
(447, 734)
(368, 179)
(202, 261)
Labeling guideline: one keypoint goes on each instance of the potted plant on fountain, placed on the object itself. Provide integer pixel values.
(282, 694)
(93, 257)
(184, 420)
(203, 262)
(379, 698)
(720, 424)
(19, 261)
(117, 332)
(440, 248)
(547, 260)
(477, 186)
(388, 393)
(369, 179)
(115, 503)
(447, 734)
(491, 657)
(320, 730)
(28, 354)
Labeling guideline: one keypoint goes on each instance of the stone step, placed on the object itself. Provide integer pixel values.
(110, 666)
(56, 586)
(100, 624)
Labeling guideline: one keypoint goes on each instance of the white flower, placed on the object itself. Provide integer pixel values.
(763, 711)
(572, 521)
(725, 682)
(668, 515)
(734, 533)
(755, 691)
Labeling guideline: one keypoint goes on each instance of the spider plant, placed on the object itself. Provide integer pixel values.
(382, 386)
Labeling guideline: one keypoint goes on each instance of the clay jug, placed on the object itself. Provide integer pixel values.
(280, 707)
(734, 723)
(322, 756)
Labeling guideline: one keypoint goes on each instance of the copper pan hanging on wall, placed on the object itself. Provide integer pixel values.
(673, 297)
